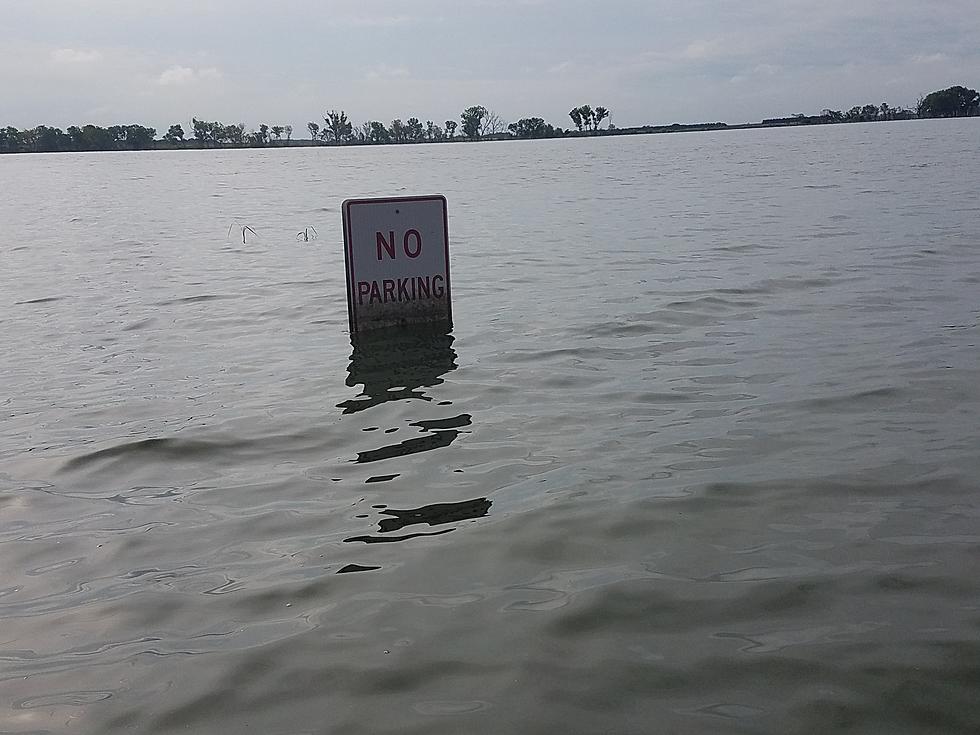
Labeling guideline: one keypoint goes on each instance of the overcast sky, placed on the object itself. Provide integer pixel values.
(159, 62)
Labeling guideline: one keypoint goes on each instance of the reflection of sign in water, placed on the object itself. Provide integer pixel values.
(394, 364)
(397, 255)
(445, 435)
(431, 515)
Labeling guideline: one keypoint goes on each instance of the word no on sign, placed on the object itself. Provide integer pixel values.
(397, 255)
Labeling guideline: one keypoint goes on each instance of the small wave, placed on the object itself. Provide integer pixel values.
(142, 323)
(857, 401)
(73, 699)
(775, 285)
(828, 233)
(161, 448)
(633, 329)
(743, 248)
(712, 303)
(197, 299)
(317, 282)
(661, 398)
(43, 300)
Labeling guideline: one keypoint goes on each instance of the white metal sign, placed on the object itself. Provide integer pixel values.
(397, 255)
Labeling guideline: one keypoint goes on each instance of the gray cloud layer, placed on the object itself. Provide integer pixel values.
(109, 61)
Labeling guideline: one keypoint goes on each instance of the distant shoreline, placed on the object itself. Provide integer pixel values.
(795, 121)
(196, 145)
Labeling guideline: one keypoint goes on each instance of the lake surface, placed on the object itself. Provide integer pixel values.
(701, 454)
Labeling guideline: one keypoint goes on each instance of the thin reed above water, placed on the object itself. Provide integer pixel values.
(699, 455)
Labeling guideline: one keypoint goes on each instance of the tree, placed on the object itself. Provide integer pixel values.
(235, 133)
(952, 102)
(528, 127)
(202, 131)
(534, 127)
(174, 135)
(472, 118)
(10, 139)
(314, 129)
(75, 135)
(491, 124)
(263, 135)
(398, 132)
(600, 114)
(576, 114)
(135, 137)
(451, 129)
(586, 112)
(27, 140)
(338, 125)
(379, 133)
(277, 131)
(95, 138)
(413, 130)
(43, 138)
(288, 129)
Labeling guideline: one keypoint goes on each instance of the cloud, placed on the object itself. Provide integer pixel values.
(703, 49)
(369, 21)
(75, 56)
(383, 71)
(561, 67)
(179, 76)
(929, 58)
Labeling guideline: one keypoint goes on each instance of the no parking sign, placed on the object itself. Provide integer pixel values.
(397, 255)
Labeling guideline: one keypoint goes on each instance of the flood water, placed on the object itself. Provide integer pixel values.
(700, 454)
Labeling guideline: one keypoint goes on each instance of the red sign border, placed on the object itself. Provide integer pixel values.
(349, 247)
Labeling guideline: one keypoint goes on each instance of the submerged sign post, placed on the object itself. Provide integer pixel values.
(397, 255)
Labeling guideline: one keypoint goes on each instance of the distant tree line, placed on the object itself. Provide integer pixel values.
(952, 102)
(870, 113)
(216, 134)
(475, 123)
(85, 138)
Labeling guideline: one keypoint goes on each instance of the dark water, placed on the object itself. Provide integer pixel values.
(701, 454)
